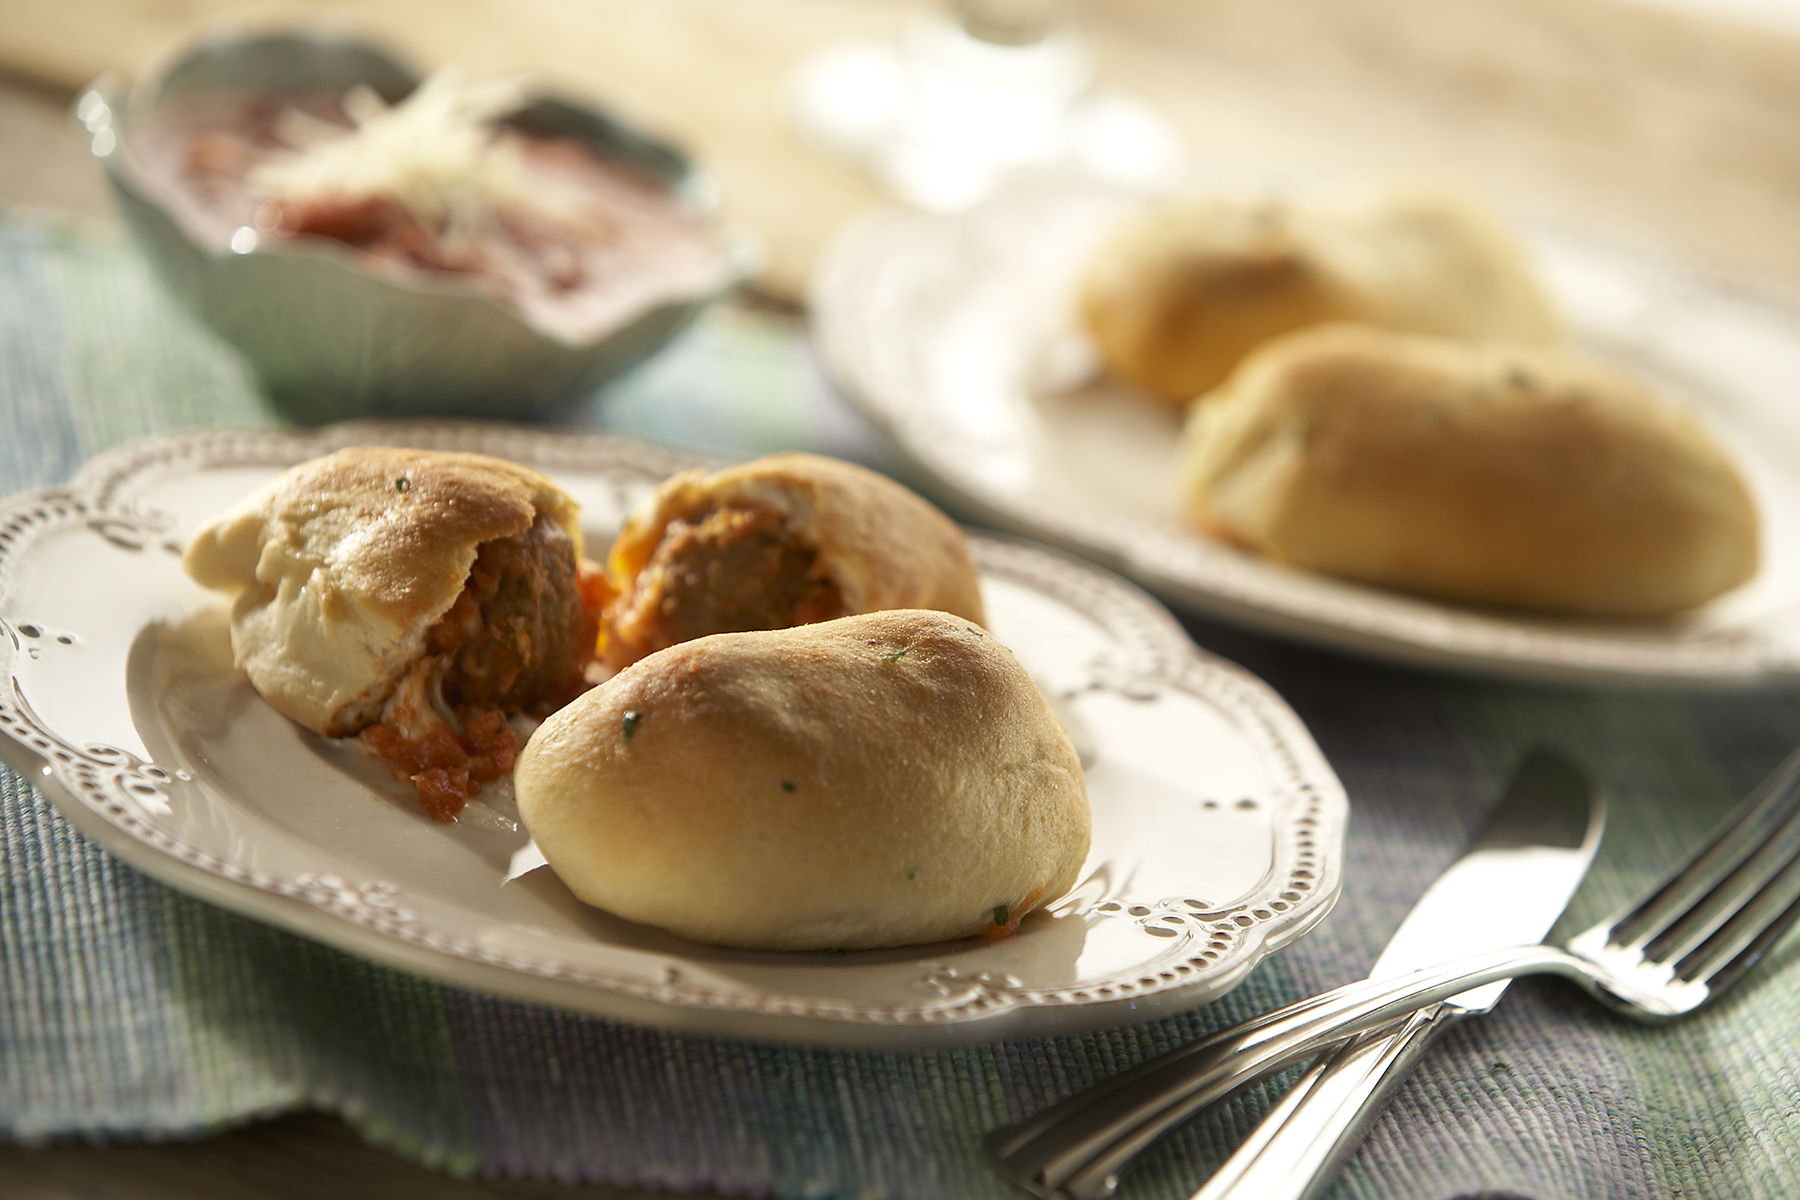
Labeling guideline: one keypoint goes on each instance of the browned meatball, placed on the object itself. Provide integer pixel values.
(520, 631)
(723, 570)
(518, 639)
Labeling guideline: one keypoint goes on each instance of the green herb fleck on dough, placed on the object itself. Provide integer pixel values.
(896, 655)
(402, 483)
(787, 785)
(1002, 914)
(913, 874)
(631, 723)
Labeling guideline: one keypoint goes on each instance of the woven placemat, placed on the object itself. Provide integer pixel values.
(128, 1010)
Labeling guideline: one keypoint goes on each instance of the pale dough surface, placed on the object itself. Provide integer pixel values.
(877, 780)
(1516, 477)
(1184, 289)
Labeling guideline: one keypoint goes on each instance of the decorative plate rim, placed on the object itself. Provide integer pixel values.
(103, 789)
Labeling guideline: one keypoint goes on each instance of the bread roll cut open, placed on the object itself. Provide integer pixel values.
(877, 780)
(417, 597)
(780, 541)
(1509, 477)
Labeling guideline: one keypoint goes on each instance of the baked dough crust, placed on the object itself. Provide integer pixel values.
(338, 568)
(1504, 476)
(879, 544)
(878, 780)
(1180, 293)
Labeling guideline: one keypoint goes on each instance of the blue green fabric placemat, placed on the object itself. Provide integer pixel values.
(128, 1010)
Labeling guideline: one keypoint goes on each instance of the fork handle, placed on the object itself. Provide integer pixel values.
(1306, 1137)
(1075, 1149)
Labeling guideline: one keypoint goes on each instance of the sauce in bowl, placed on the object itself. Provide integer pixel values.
(441, 185)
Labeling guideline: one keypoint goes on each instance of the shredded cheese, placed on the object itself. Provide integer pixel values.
(434, 154)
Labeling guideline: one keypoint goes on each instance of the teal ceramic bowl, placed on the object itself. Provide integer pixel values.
(330, 338)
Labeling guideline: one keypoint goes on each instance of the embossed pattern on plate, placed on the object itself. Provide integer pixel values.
(957, 333)
(1218, 825)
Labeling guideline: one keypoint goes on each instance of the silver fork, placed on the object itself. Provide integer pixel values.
(1684, 942)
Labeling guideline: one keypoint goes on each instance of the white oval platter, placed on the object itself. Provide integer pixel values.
(1218, 825)
(956, 332)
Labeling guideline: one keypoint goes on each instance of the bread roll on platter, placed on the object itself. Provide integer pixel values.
(1183, 290)
(416, 597)
(783, 540)
(876, 780)
(1505, 476)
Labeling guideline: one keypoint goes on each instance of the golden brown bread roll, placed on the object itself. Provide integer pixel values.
(877, 780)
(1180, 293)
(780, 541)
(1512, 477)
(419, 595)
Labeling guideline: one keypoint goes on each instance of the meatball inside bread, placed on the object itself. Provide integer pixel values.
(786, 540)
(415, 598)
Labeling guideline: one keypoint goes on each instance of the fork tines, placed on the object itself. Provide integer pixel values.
(1715, 918)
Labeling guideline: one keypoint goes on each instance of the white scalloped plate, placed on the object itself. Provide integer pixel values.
(1218, 826)
(956, 332)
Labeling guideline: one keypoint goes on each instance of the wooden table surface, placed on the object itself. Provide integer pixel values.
(1643, 121)
(1646, 121)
